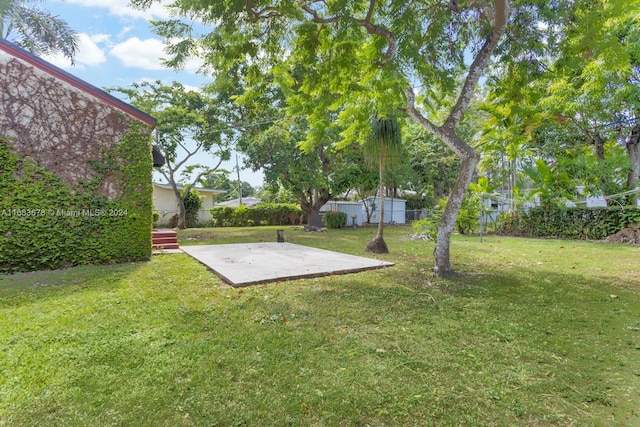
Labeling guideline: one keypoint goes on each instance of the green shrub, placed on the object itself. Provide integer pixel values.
(467, 221)
(510, 223)
(241, 217)
(428, 225)
(578, 223)
(334, 219)
(221, 216)
(156, 217)
(569, 223)
(192, 204)
(468, 217)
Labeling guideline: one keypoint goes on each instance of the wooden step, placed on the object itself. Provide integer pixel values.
(164, 239)
(164, 233)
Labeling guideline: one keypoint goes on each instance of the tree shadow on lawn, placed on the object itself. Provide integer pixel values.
(585, 327)
(553, 341)
(34, 287)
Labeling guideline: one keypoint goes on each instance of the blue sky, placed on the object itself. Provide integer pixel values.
(117, 48)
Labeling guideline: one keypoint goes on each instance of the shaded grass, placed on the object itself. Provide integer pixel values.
(536, 332)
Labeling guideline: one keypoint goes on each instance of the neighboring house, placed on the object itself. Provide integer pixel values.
(79, 156)
(234, 203)
(166, 205)
(596, 201)
(354, 211)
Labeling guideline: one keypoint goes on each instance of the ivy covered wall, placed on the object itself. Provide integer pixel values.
(75, 173)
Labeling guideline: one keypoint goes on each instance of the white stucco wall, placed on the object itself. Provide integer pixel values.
(164, 202)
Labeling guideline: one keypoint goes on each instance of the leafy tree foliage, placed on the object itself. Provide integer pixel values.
(189, 122)
(358, 58)
(220, 180)
(567, 93)
(36, 30)
(192, 204)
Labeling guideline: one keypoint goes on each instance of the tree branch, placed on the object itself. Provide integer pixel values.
(367, 23)
(264, 13)
(479, 64)
(371, 28)
(416, 115)
(316, 17)
(190, 154)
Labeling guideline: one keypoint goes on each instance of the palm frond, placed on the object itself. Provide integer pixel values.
(384, 143)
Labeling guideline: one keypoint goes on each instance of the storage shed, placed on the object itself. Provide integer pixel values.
(354, 210)
(394, 210)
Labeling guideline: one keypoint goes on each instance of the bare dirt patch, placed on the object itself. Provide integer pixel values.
(629, 234)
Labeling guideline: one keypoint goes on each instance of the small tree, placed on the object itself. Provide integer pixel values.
(383, 148)
(188, 123)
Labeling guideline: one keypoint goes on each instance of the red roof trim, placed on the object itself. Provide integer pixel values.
(60, 74)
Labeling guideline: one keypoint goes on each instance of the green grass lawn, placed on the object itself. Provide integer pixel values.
(535, 333)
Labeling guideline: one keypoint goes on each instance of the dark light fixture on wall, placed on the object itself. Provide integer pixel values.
(158, 158)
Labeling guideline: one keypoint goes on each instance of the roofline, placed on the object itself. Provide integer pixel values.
(385, 197)
(74, 81)
(180, 187)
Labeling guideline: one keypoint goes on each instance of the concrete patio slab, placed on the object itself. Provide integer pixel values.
(245, 264)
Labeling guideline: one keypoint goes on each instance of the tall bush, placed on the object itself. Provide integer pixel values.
(261, 214)
(468, 217)
(192, 205)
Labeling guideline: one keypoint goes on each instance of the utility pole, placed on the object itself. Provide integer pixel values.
(239, 183)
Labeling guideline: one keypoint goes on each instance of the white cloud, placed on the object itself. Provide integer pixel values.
(122, 8)
(147, 54)
(136, 53)
(192, 65)
(89, 53)
(192, 88)
(124, 31)
(100, 38)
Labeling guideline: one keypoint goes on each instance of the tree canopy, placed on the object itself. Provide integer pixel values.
(566, 91)
(359, 57)
(189, 122)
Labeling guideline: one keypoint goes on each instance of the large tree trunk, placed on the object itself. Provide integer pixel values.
(182, 212)
(441, 253)
(313, 218)
(311, 204)
(447, 134)
(633, 151)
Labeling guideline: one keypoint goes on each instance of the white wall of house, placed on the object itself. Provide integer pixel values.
(165, 203)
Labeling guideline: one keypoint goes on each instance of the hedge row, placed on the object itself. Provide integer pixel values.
(569, 223)
(261, 214)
